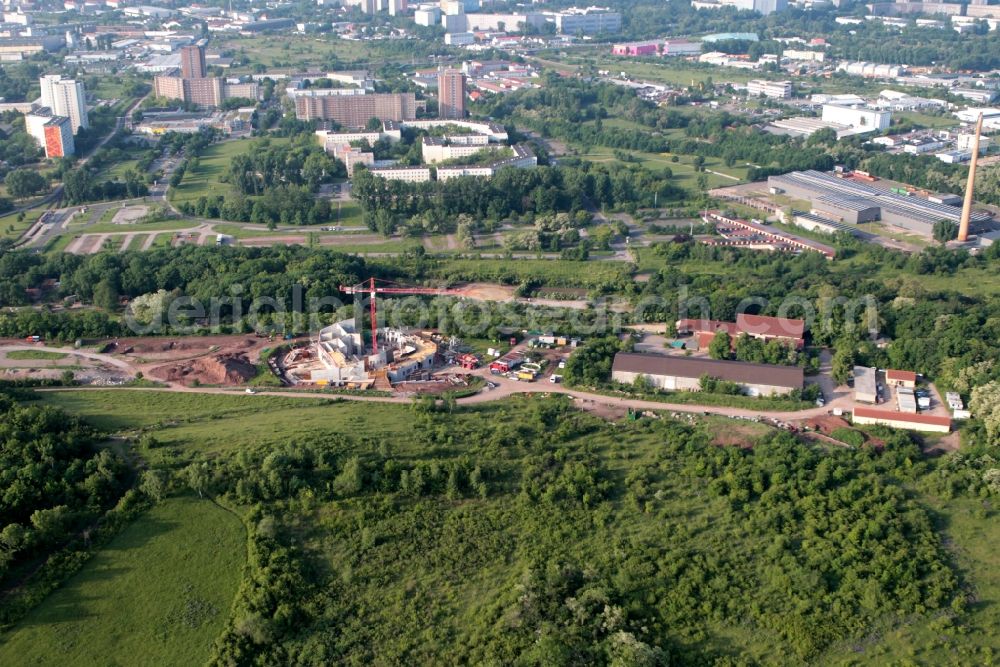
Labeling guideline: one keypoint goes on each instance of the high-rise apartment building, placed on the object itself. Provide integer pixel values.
(205, 91)
(193, 62)
(53, 133)
(356, 110)
(65, 97)
(451, 94)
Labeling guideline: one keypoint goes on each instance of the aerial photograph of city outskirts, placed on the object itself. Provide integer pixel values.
(646, 333)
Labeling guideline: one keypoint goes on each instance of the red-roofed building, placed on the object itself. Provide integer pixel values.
(772, 328)
(763, 327)
(902, 420)
(901, 378)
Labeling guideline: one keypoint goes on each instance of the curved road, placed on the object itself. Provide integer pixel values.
(93, 356)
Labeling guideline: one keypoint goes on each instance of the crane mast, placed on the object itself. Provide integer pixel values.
(371, 288)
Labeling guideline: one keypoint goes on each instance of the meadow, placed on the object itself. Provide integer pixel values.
(495, 555)
(39, 355)
(12, 228)
(552, 272)
(212, 165)
(158, 594)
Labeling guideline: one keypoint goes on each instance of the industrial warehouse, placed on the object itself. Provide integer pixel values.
(847, 200)
(676, 373)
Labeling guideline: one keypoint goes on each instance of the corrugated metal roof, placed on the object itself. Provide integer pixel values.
(695, 367)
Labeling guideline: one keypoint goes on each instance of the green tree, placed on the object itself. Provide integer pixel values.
(197, 477)
(351, 479)
(721, 345)
(23, 183)
(154, 484)
(944, 231)
(842, 363)
(106, 295)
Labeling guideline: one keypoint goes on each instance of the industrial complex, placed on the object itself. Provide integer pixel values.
(849, 200)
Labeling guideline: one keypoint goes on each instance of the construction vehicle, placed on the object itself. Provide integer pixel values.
(526, 376)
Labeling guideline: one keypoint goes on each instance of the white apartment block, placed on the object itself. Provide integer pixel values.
(446, 173)
(408, 174)
(65, 97)
(775, 89)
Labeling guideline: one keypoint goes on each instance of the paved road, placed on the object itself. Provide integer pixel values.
(56, 193)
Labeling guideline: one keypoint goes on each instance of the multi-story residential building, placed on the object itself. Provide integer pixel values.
(65, 97)
(52, 132)
(451, 94)
(356, 110)
(193, 62)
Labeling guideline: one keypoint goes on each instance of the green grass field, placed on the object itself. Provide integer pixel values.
(158, 594)
(39, 355)
(191, 424)
(213, 163)
(302, 52)
(927, 120)
(684, 173)
(553, 272)
(386, 562)
(12, 228)
(677, 73)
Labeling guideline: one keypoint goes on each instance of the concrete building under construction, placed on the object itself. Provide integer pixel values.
(340, 357)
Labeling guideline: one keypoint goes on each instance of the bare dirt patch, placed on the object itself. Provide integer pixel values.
(486, 291)
(224, 369)
(129, 214)
(160, 349)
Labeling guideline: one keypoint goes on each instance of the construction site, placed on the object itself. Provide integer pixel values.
(339, 356)
(349, 355)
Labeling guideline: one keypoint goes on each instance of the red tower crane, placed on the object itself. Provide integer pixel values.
(370, 287)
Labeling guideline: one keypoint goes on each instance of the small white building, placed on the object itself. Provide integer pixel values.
(857, 117)
(773, 89)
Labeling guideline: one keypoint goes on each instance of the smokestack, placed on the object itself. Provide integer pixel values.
(963, 227)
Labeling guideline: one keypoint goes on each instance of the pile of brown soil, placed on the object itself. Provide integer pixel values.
(222, 369)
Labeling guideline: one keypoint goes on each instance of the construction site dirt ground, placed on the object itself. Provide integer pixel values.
(215, 360)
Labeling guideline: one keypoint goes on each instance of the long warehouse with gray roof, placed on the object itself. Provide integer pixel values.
(853, 202)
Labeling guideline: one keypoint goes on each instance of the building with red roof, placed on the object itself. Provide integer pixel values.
(762, 327)
(901, 378)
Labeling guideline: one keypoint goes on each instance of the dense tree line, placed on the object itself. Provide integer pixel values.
(54, 480)
(198, 272)
(300, 163)
(17, 147)
(81, 186)
(389, 204)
